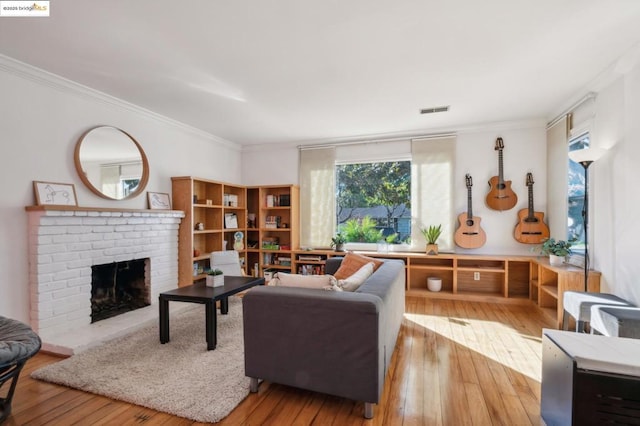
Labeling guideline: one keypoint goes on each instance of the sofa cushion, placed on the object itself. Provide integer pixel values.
(354, 281)
(282, 279)
(352, 262)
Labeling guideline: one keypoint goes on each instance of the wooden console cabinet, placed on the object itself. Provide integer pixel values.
(548, 284)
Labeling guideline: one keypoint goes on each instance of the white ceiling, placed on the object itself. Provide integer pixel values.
(285, 71)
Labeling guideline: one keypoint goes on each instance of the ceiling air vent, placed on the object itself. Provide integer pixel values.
(434, 109)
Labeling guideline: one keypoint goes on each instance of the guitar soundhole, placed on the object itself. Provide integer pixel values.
(501, 186)
(531, 219)
(469, 222)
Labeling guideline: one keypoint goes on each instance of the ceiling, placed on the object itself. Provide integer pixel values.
(296, 71)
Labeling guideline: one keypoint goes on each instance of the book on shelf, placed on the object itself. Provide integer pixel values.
(272, 222)
(282, 200)
(283, 260)
(302, 258)
(311, 269)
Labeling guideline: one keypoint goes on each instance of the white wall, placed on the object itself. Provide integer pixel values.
(41, 118)
(615, 182)
(525, 151)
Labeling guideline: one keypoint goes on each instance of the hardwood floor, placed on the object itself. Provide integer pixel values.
(456, 363)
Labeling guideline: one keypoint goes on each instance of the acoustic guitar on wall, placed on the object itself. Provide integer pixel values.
(500, 196)
(469, 234)
(531, 228)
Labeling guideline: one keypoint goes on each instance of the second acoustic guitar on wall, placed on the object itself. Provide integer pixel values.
(500, 196)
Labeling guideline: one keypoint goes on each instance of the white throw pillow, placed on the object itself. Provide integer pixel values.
(354, 281)
(283, 279)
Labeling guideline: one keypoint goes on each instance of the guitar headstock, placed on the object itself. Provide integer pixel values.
(468, 181)
(499, 144)
(530, 179)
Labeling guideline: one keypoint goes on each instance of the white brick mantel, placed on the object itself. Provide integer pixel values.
(64, 243)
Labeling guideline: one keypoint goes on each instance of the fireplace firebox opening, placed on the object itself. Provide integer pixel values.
(119, 287)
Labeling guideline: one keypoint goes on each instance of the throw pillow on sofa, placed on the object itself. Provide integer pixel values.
(322, 282)
(354, 281)
(352, 262)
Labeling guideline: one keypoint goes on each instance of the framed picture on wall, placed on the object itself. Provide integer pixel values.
(159, 201)
(55, 194)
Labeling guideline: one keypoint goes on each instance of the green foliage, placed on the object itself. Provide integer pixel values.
(214, 272)
(361, 231)
(391, 239)
(558, 248)
(432, 233)
(374, 184)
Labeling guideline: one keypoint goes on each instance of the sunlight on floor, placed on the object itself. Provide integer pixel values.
(492, 339)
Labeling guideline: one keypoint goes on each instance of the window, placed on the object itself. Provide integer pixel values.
(575, 196)
(373, 201)
(425, 184)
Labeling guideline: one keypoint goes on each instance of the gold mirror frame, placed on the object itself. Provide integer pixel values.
(86, 139)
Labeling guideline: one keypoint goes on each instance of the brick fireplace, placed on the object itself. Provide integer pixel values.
(64, 244)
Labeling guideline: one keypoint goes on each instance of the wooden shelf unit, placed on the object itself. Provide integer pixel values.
(287, 232)
(551, 282)
(203, 201)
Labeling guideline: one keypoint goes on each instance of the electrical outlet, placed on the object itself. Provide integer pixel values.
(476, 276)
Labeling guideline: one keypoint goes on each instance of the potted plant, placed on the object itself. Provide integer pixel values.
(557, 250)
(215, 278)
(431, 234)
(337, 242)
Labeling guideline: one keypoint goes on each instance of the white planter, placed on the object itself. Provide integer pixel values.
(556, 260)
(434, 284)
(215, 280)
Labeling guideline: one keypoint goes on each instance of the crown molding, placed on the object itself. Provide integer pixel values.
(426, 133)
(45, 78)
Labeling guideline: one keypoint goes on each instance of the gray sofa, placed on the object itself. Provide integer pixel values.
(338, 343)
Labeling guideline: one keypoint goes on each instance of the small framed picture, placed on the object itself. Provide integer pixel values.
(159, 201)
(55, 194)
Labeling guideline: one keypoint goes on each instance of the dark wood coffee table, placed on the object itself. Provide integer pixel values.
(200, 293)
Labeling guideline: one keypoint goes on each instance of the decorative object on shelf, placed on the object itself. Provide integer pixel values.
(159, 201)
(199, 226)
(215, 278)
(230, 221)
(557, 250)
(469, 234)
(585, 157)
(55, 194)
(238, 243)
(431, 234)
(251, 220)
(500, 196)
(434, 284)
(196, 252)
(338, 242)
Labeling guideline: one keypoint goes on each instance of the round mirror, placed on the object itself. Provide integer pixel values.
(111, 163)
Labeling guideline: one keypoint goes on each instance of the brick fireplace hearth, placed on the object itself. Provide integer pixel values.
(63, 246)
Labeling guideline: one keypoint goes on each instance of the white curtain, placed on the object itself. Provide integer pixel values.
(317, 197)
(432, 167)
(557, 170)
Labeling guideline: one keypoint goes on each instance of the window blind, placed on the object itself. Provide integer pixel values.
(317, 196)
(432, 167)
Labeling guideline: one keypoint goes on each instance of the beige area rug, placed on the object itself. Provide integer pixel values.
(180, 377)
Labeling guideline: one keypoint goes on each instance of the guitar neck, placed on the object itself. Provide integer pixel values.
(469, 209)
(500, 170)
(531, 216)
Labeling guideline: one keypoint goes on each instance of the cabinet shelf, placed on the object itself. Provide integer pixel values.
(481, 269)
(433, 268)
(552, 290)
